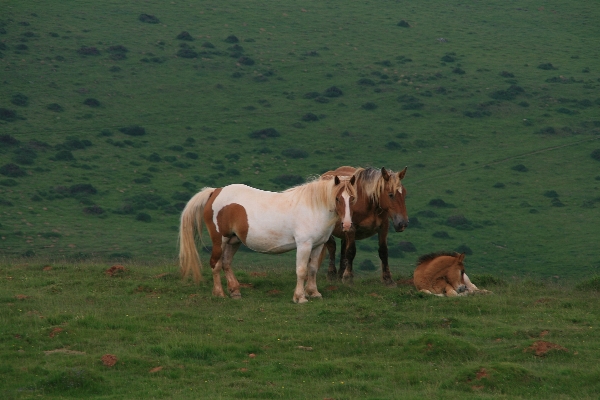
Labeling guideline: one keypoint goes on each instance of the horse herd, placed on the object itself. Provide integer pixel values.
(348, 203)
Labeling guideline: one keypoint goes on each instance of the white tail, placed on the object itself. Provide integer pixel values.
(189, 229)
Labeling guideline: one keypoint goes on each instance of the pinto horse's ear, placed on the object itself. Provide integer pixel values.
(352, 180)
(402, 173)
(385, 174)
(336, 180)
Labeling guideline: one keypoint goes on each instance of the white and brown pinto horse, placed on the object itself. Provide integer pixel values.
(301, 218)
(380, 197)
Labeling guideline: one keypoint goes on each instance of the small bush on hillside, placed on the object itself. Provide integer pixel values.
(427, 214)
(459, 221)
(8, 182)
(403, 24)
(367, 265)
(595, 154)
(8, 115)
(117, 49)
(91, 102)
(231, 39)
(441, 235)
(295, 153)
(187, 53)
(63, 155)
(184, 35)
(143, 217)
(208, 45)
(459, 71)
(366, 82)
(288, 180)
(555, 202)
(439, 203)
(393, 145)
(54, 107)
(12, 170)
(549, 130)
(93, 210)
(506, 74)
(265, 133)
(408, 247)
(25, 156)
(82, 188)
(191, 155)
(8, 140)
(369, 106)
(551, 193)
(519, 168)
(133, 130)
(547, 66)
(508, 94)
(149, 19)
(463, 248)
(244, 60)
(310, 117)
(499, 185)
(333, 92)
(20, 100)
(448, 58)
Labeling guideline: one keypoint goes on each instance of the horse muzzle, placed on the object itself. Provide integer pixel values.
(346, 226)
(400, 225)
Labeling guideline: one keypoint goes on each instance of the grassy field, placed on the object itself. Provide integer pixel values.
(72, 330)
(113, 114)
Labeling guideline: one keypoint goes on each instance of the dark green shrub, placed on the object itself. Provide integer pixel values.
(427, 214)
(208, 45)
(193, 156)
(459, 221)
(187, 53)
(8, 182)
(506, 74)
(438, 203)
(499, 185)
(265, 133)
(367, 265)
(143, 217)
(591, 284)
(519, 168)
(459, 71)
(369, 106)
(22, 47)
(244, 60)
(149, 19)
(555, 202)
(20, 100)
(82, 188)
(170, 159)
(116, 49)
(546, 66)
(91, 102)
(184, 35)
(551, 193)
(142, 180)
(595, 154)
(12, 170)
(508, 94)
(25, 156)
(295, 153)
(54, 107)
(408, 247)
(310, 117)
(8, 140)
(413, 106)
(463, 248)
(333, 92)
(366, 82)
(288, 180)
(231, 39)
(393, 145)
(93, 210)
(133, 130)
(448, 58)
(8, 115)
(549, 130)
(403, 24)
(154, 157)
(441, 235)
(64, 155)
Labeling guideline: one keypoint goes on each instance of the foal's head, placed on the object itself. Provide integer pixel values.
(392, 198)
(345, 196)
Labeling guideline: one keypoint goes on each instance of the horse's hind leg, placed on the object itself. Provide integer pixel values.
(343, 246)
(331, 271)
(216, 263)
(233, 285)
(313, 267)
(348, 276)
(386, 275)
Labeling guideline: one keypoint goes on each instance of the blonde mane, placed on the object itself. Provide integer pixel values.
(373, 183)
(318, 193)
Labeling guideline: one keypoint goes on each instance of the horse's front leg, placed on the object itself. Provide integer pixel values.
(303, 251)
(349, 254)
(331, 271)
(313, 268)
(386, 275)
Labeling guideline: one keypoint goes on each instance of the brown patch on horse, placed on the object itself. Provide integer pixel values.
(541, 347)
(233, 220)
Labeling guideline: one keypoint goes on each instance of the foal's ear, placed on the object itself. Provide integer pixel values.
(461, 257)
(336, 180)
(402, 173)
(352, 180)
(385, 174)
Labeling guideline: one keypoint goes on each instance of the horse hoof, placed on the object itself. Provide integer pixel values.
(219, 294)
(390, 283)
(300, 300)
(316, 296)
(236, 296)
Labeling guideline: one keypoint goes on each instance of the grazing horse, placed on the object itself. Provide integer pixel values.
(443, 274)
(380, 197)
(299, 218)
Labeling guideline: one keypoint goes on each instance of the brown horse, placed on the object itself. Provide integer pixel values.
(443, 274)
(380, 197)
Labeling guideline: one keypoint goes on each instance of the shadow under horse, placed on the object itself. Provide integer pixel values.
(380, 197)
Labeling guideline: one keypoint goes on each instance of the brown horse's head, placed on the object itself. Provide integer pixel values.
(344, 199)
(392, 198)
(456, 274)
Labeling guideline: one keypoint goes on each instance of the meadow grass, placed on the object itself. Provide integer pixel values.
(173, 339)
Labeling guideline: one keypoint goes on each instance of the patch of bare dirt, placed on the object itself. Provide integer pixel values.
(541, 347)
(55, 331)
(155, 369)
(274, 291)
(115, 270)
(109, 360)
(47, 268)
(21, 297)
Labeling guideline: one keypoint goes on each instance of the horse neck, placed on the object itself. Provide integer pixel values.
(316, 195)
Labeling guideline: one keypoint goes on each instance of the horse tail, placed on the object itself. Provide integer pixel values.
(190, 229)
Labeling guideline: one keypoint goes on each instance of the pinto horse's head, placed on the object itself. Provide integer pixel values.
(392, 199)
(344, 198)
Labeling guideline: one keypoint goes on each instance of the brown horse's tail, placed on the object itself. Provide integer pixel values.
(190, 229)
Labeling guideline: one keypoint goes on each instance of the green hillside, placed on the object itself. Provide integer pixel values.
(112, 115)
